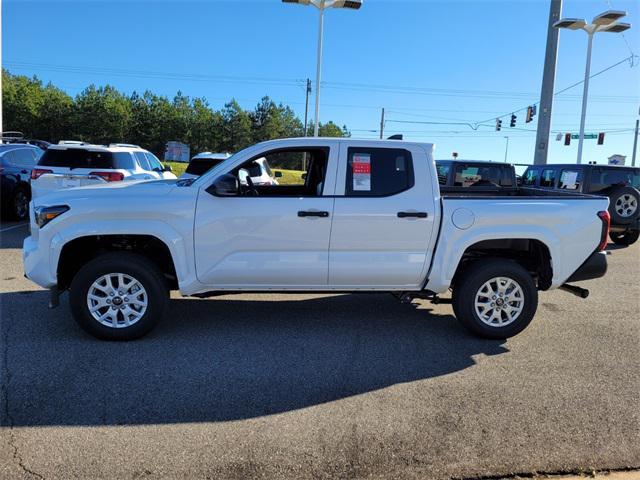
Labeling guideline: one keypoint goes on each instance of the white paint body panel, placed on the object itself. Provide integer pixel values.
(260, 244)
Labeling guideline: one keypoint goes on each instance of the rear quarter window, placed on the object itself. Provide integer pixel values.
(603, 178)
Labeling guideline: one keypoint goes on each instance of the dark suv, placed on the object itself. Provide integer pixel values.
(16, 162)
(620, 184)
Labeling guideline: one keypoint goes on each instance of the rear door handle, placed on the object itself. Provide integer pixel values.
(412, 214)
(303, 213)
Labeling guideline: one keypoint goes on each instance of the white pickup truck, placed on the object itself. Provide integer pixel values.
(365, 216)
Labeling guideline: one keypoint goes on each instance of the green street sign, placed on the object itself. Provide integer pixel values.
(575, 136)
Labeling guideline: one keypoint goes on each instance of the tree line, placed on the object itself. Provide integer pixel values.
(104, 115)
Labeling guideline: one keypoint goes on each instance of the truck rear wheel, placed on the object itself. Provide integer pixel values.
(625, 238)
(118, 296)
(495, 298)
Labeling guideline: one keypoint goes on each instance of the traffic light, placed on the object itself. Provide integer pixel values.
(567, 139)
(513, 120)
(601, 138)
(534, 110)
(529, 114)
(498, 124)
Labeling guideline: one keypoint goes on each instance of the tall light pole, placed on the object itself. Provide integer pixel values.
(506, 150)
(323, 5)
(605, 22)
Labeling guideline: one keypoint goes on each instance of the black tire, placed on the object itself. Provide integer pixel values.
(20, 203)
(472, 280)
(624, 205)
(135, 266)
(625, 238)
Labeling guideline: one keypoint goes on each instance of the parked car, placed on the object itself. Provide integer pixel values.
(202, 163)
(475, 173)
(16, 162)
(74, 164)
(367, 216)
(620, 184)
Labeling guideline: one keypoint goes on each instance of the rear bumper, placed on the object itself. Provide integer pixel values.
(634, 225)
(594, 267)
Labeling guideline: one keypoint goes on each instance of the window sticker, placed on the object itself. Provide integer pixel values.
(569, 179)
(361, 166)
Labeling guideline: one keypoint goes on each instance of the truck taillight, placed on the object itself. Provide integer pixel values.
(37, 172)
(606, 223)
(109, 176)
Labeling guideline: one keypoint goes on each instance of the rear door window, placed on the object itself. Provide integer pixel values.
(378, 172)
(570, 180)
(530, 177)
(548, 178)
(23, 157)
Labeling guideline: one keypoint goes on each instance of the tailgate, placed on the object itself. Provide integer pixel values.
(50, 182)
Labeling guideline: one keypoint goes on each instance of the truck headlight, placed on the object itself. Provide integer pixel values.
(44, 215)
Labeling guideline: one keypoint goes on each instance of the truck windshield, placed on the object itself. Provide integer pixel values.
(482, 175)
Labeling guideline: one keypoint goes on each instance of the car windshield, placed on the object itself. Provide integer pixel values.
(82, 158)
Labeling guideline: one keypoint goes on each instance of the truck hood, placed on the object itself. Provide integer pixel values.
(115, 191)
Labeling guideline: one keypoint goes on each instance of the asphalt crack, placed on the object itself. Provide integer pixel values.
(8, 419)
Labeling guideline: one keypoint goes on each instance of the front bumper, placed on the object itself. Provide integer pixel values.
(36, 264)
(594, 267)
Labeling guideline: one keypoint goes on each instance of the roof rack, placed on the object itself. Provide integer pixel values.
(125, 145)
(72, 142)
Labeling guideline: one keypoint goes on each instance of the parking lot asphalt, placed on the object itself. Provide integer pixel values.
(320, 386)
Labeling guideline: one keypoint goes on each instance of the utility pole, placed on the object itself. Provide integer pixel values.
(382, 124)
(306, 106)
(548, 83)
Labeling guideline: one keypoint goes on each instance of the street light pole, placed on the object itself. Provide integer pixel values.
(506, 150)
(585, 93)
(322, 5)
(316, 124)
(605, 22)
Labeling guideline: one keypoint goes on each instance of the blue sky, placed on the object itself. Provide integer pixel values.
(424, 61)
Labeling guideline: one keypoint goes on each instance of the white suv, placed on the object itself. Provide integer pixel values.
(74, 164)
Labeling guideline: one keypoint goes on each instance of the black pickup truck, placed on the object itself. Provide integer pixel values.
(620, 184)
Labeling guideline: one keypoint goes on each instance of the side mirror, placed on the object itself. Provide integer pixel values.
(278, 174)
(224, 186)
(167, 168)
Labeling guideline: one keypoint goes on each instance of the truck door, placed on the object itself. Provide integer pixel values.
(384, 220)
(272, 235)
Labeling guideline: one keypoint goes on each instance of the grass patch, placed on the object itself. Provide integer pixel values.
(177, 168)
(289, 177)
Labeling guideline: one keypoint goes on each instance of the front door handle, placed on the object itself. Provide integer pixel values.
(303, 213)
(412, 214)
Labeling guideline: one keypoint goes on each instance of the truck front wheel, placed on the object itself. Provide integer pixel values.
(118, 296)
(495, 298)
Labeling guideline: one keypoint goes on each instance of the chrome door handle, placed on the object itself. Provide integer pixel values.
(412, 215)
